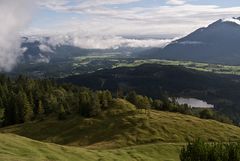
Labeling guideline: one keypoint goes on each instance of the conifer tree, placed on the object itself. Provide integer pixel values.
(40, 109)
(84, 103)
(27, 109)
(62, 113)
(10, 113)
(95, 106)
(132, 97)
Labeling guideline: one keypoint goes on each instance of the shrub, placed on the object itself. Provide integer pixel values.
(201, 151)
(206, 114)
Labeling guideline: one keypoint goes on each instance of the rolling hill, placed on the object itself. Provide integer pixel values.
(123, 127)
(122, 133)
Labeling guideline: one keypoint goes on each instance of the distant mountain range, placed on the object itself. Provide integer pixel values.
(43, 48)
(217, 43)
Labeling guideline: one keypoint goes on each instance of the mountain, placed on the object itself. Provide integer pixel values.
(43, 49)
(46, 56)
(216, 43)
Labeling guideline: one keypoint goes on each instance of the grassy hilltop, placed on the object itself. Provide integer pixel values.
(125, 125)
(122, 133)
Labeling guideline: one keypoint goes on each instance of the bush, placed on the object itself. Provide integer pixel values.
(201, 151)
(157, 104)
(206, 114)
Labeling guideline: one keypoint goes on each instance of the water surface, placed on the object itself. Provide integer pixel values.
(193, 102)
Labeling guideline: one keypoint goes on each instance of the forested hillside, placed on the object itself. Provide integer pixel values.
(24, 99)
(154, 80)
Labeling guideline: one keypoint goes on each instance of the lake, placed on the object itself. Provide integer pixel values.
(193, 102)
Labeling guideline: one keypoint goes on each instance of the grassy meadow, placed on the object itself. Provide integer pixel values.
(16, 148)
(122, 133)
(215, 68)
(125, 126)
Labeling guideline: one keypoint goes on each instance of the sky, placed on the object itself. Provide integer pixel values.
(103, 24)
(154, 18)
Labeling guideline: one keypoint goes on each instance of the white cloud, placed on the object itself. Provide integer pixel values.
(115, 42)
(96, 42)
(176, 2)
(45, 48)
(65, 5)
(168, 20)
(14, 16)
(176, 18)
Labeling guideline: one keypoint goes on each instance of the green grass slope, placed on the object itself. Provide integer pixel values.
(16, 148)
(124, 126)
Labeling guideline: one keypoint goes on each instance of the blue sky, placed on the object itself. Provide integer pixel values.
(166, 18)
(102, 24)
(222, 3)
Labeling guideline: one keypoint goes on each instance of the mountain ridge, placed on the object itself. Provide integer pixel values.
(216, 43)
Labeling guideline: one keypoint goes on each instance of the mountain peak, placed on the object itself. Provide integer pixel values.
(235, 20)
(216, 43)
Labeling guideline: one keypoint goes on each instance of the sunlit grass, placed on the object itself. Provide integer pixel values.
(14, 147)
(122, 133)
(124, 127)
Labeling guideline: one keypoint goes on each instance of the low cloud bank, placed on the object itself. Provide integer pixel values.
(98, 42)
(14, 17)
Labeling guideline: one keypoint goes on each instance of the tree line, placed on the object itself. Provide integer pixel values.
(166, 104)
(24, 99)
